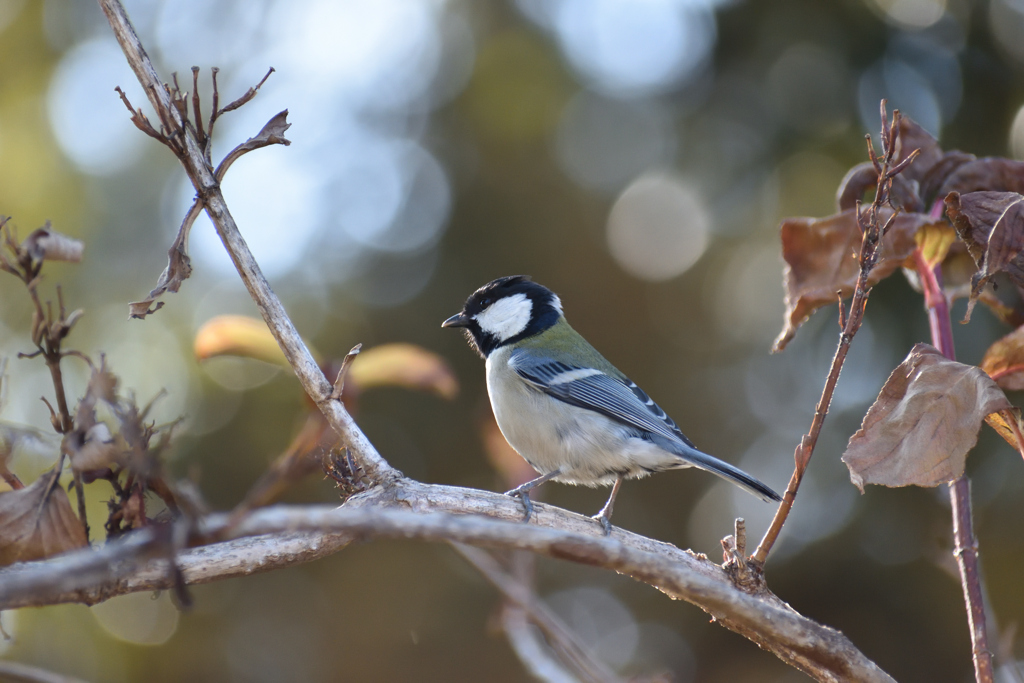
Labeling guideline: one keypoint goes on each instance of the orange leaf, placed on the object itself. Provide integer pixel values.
(402, 365)
(1004, 361)
(935, 240)
(240, 335)
(1008, 425)
(923, 422)
(37, 522)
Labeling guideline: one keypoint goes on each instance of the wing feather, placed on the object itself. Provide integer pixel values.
(619, 399)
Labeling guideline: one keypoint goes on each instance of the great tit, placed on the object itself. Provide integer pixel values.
(569, 412)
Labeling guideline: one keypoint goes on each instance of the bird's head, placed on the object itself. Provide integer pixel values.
(505, 311)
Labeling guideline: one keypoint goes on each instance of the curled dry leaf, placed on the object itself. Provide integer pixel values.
(923, 422)
(1004, 361)
(179, 268)
(863, 177)
(913, 136)
(46, 244)
(1008, 425)
(822, 258)
(98, 448)
(991, 174)
(37, 522)
(239, 335)
(403, 365)
(991, 224)
(271, 134)
(90, 444)
(918, 185)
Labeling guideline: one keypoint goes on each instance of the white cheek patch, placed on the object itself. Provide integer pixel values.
(507, 317)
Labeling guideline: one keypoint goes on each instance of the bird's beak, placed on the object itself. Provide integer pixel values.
(457, 320)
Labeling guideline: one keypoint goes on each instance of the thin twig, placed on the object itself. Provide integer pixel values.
(871, 241)
(576, 653)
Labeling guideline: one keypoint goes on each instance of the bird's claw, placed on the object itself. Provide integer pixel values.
(524, 496)
(606, 523)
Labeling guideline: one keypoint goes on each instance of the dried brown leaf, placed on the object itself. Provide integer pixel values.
(90, 444)
(46, 244)
(271, 134)
(863, 177)
(37, 522)
(1004, 361)
(179, 268)
(912, 136)
(93, 451)
(854, 184)
(991, 174)
(991, 224)
(931, 181)
(928, 172)
(822, 258)
(923, 423)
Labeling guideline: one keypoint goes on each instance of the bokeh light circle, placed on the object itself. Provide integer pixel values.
(658, 227)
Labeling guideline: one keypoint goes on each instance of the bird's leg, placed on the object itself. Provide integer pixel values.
(523, 491)
(605, 515)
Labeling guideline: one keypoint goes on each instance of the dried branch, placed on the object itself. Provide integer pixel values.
(48, 331)
(529, 646)
(873, 231)
(279, 536)
(208, 190)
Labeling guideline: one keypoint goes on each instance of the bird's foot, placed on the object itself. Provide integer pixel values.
(523, 494)
(606, 523)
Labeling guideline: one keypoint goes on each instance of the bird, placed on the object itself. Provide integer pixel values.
(567, 411)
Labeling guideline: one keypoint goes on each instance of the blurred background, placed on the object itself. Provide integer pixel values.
(634, 156)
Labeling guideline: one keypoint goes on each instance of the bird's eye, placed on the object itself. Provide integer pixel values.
(487, 302)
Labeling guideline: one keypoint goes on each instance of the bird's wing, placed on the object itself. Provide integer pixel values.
(619, 399)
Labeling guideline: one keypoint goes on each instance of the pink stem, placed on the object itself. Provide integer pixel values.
(965, 544)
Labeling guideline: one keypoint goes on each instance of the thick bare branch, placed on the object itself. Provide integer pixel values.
(277, 536)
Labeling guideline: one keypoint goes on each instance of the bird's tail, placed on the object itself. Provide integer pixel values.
(730, 473)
